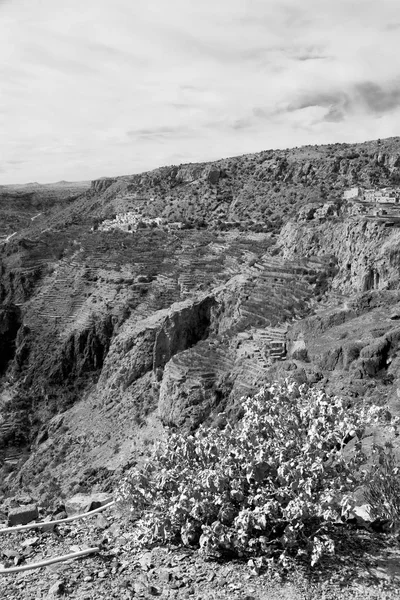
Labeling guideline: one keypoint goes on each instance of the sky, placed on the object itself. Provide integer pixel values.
(92, 88)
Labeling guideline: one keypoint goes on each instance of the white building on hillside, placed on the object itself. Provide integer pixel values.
(386, 195)
(352, 193)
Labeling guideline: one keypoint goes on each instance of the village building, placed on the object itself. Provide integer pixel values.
(352, 193)
(130, 221)
(387, 195)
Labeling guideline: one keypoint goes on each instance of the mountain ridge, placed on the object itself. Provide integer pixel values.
(263, 240)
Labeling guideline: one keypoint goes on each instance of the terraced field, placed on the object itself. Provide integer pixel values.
(269, 296)
(157, 269)
(79, 288)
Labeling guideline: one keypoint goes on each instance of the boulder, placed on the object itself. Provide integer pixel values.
(298, 351)
(21, 515)
(307, 212)
(394, 161)
(363, 514)
(82, 503)
(57, 589)
(213, 175)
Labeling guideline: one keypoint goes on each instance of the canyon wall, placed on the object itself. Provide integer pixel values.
(258, 270)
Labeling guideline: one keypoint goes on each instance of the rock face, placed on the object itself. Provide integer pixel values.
(148, 345)
(10, 322)
(366, 251)
(182, 329)
(188, 398)
(100, 185)
(85, 350)
(244, 270)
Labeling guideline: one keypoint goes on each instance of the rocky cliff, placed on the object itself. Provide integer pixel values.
(241, 271)
(366, 250)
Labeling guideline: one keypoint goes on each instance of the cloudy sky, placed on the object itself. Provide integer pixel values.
(92, 88)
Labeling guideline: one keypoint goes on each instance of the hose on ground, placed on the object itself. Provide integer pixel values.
(49, 561)
(57, 522)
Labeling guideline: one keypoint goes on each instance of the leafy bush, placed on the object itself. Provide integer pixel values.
(268, 486)
(383, 490)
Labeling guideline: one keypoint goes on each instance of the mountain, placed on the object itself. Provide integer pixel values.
(21, 203)
(134, 305)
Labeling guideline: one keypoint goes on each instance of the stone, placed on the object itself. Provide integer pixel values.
(82, 503)
(60, 515)
(57, 589)
(22, 515)
(298, 351)
(165, 575)
(146, 561)
(362, 514)
(213, 175)
(101, 522)
(24, 499)
(154, 591)
(30, 542)
(10, 553)
(49, 526)
(140, 586)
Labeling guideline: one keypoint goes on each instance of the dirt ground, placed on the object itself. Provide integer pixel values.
(366, 566)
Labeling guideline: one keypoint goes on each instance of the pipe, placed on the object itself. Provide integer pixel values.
(45, 524)
(49, 561)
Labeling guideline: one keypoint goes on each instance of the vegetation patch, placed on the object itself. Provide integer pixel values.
(271, 487)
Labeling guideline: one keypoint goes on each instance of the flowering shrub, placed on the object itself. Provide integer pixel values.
(267, 486)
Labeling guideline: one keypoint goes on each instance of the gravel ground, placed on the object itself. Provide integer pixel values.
(367, 566)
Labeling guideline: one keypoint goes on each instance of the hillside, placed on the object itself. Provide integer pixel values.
(24, 203)
(153, 302)
(233, 262)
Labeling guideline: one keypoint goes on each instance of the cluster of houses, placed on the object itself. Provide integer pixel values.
(132, 221)
(387, 195)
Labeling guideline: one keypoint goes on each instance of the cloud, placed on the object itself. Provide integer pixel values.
(335, 114)
(158, 132)
(15, 162)
(367, 97)
(392, 27)
(311, 56)
(242, 123)
(53, 58)
(338, 103)
(379, 99)
(114, 87)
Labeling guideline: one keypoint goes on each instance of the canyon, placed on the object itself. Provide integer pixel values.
(136, 305)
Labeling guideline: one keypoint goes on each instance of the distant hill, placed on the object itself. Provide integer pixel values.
(18, 203)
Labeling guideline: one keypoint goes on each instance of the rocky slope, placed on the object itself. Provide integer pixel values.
(122, 570)
(23, 204)
(243, 270)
